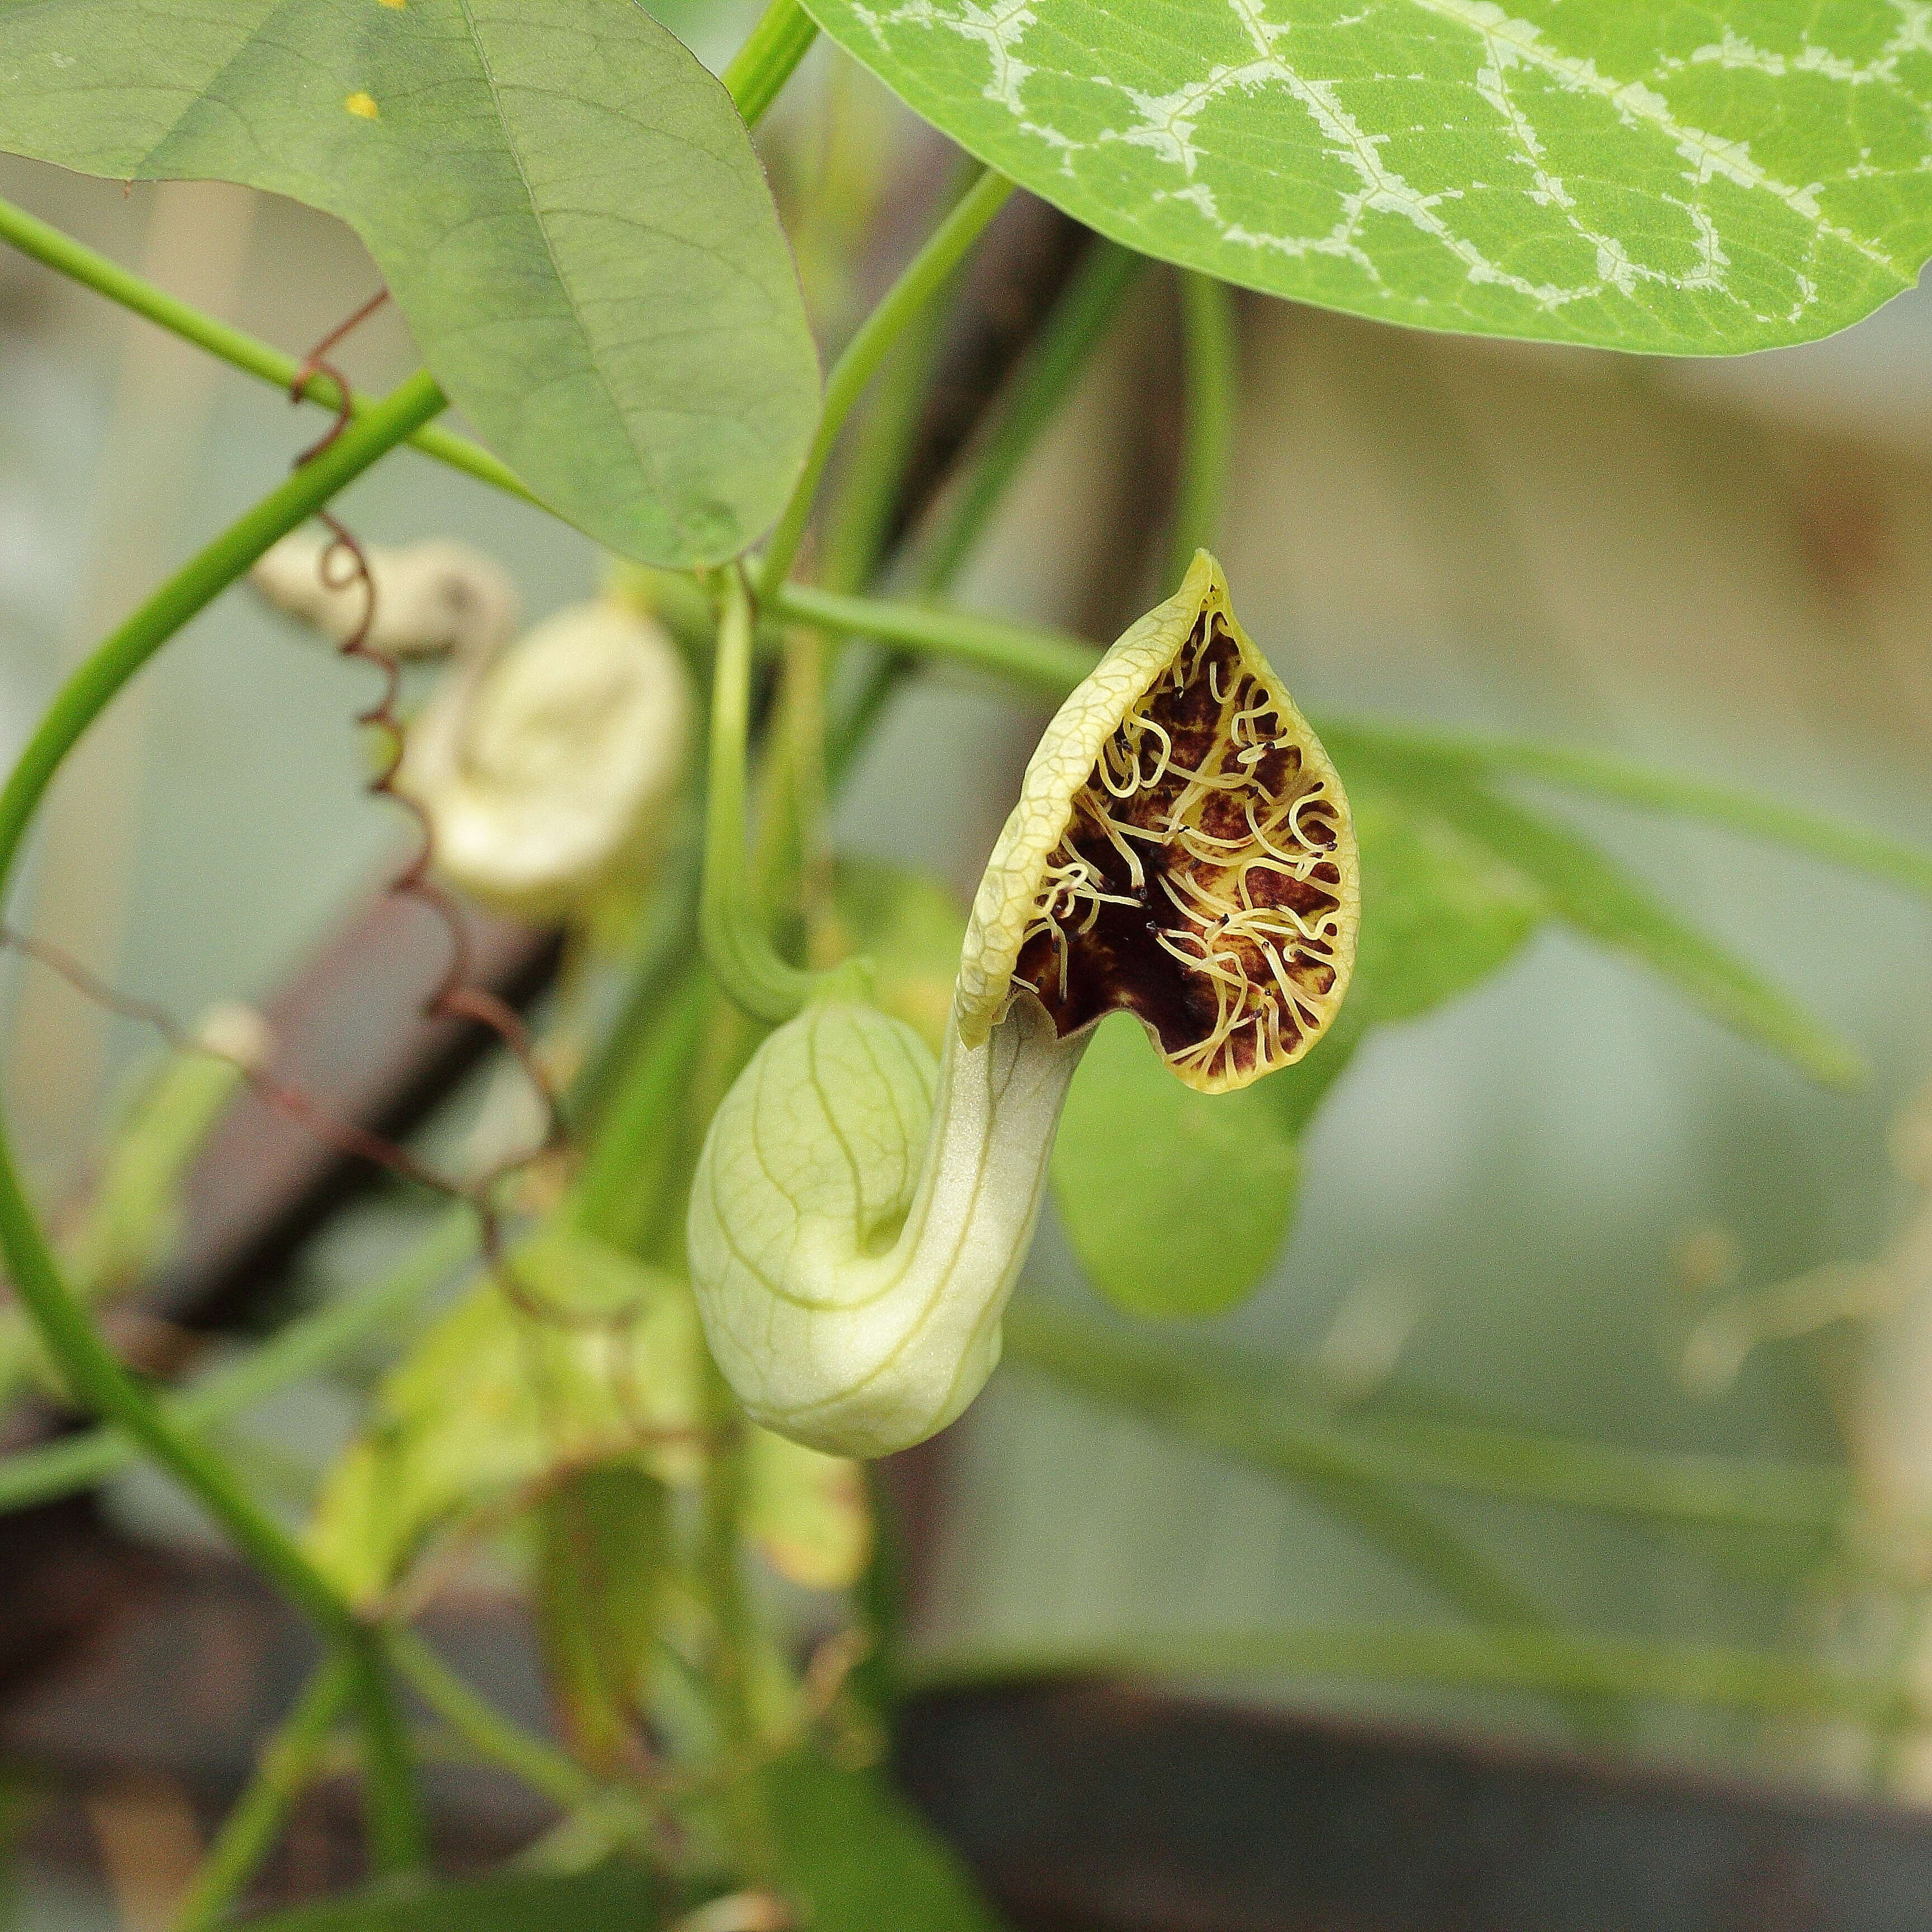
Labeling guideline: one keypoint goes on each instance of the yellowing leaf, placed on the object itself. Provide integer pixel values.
(806, 1512)
(497, 1396)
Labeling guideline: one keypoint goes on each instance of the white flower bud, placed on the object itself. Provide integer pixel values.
(547, 770)
(430, 598)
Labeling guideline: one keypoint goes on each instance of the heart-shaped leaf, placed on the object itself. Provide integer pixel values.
(1440, 913)
(564, 202)
(1639, 174)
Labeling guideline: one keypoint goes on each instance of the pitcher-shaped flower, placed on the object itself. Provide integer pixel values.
(1181, 849)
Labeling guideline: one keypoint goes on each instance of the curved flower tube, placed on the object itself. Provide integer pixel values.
(546, 769)
(1181, 849)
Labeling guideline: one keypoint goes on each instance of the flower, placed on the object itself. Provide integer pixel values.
(1181, 848)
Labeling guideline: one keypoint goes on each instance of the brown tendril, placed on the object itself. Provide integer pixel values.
(343, 565)
(344, 1136)
(312, 365)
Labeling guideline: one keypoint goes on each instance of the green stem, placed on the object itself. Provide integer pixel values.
(737, 946)
(487, 1731)
(858, 524)
(1079, 323)
(304, 1346)
(1549, 1661)
(392, 1807)
(924, 275)
(286, 1765)
(1053, 662)
(90, 1367)
(1224, 1411)
(733, 1633)
(760, 69)
(1799, 827)
(1207, 318)
(1045, 660)
(1344, 1486)
(254, 358)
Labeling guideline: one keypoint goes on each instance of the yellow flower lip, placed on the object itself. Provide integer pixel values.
(1182, 849)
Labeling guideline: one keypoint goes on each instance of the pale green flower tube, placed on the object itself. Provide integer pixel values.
(854, 1234)
(1181, 848)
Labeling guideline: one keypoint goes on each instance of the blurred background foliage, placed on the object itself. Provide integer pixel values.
(1515, 1208)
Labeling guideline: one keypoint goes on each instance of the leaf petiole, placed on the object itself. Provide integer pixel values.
(737, 946)
(1207, 328)
(760, 68)
(924, 275)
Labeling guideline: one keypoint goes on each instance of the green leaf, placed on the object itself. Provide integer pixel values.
(1139, 1153)
(564, 202)
(1635, 173)
(1599, 898)
(1176, 1202)
(614, 1898)
(1439, 912)
(858, 1859)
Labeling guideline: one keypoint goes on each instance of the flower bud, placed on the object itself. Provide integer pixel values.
(546, 772)
(430, 598)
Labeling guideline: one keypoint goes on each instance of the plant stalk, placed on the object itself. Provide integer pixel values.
(1297, 1441)
(760, 68)
(90, 1367)
(924, 275)
(1343, 1487)
(78, 1462)
(60, 252)
(285, 1766)
(1207, 324)
(737, 946)
(1052, 662)
(487, 1731)
(1472, 754)
(1045, 661)
(756, 73)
